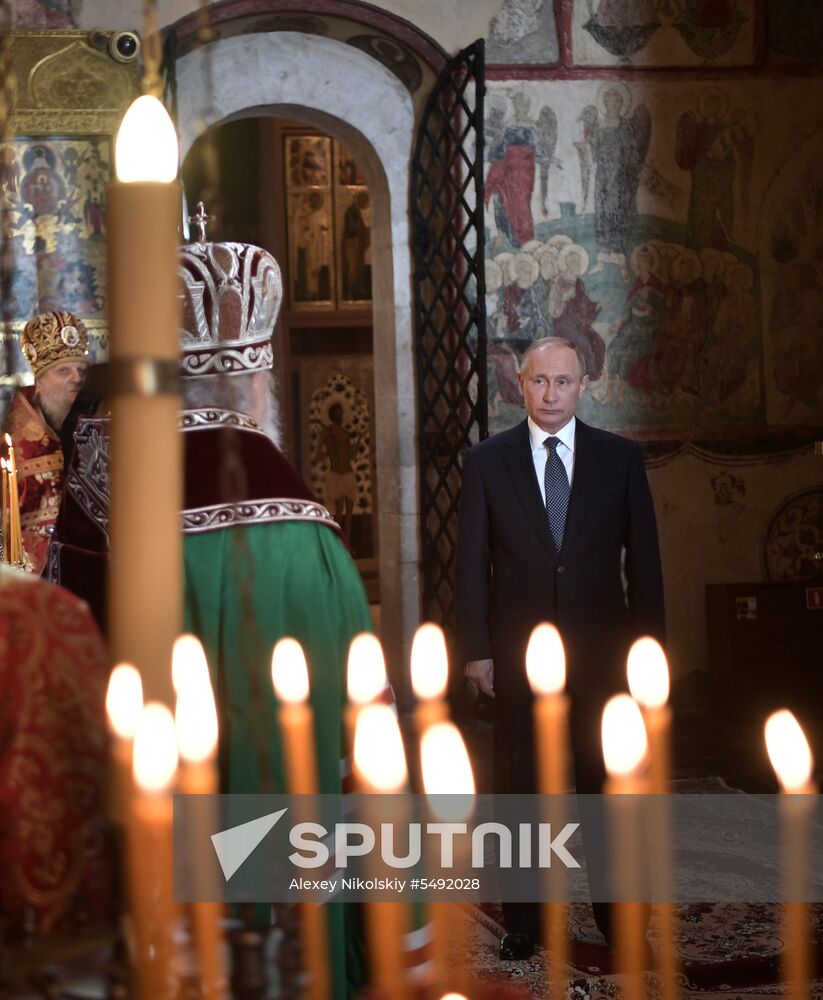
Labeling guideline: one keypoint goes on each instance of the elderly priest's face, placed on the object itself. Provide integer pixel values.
(57, 389)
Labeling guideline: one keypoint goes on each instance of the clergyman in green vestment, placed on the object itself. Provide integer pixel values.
(263, 558)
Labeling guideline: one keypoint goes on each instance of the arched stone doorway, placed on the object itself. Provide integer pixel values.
(289, 187)
(356, 99)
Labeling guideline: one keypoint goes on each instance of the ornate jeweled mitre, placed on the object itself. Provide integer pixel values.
(53, 338)
(231, 297)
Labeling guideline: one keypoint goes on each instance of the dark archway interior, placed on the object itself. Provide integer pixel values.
(286, 186)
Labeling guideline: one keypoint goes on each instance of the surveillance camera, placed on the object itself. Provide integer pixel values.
(124, 46)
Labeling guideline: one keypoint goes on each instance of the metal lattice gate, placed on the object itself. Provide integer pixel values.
(450, 313)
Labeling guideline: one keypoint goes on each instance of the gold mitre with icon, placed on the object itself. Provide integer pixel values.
(232, 294)
(53, 338)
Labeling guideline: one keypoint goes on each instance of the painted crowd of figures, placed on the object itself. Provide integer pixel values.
(686, 323)
(661, 308)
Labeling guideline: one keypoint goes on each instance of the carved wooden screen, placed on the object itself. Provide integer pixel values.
(450, 315)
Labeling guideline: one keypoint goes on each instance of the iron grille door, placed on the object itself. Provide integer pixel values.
(450, 312)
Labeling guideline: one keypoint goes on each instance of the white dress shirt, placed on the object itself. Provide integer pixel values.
(565, 449)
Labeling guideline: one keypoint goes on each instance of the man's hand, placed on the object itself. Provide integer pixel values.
(481, 674)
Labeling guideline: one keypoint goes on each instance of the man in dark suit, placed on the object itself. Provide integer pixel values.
(556, 524)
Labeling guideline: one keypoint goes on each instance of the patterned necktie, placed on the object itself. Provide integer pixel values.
(556, 484)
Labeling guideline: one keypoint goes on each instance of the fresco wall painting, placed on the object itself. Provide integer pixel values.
(624, 231)
(663, 32)
(659, 204)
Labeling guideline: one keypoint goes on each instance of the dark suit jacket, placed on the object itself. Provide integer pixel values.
(510, 578)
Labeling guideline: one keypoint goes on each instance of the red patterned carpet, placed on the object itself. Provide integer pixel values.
(726, 950)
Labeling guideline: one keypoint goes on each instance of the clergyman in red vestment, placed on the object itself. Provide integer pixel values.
(53, 751)
(56, 346)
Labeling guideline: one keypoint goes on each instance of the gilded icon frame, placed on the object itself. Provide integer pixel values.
(56, 159)
(328, 225)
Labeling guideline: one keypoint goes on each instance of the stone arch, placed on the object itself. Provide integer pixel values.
(341, 19)
(356, 99)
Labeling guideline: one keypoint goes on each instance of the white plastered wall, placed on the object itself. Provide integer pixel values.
(352, 97)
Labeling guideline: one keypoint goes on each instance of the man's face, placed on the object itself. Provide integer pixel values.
(552, 386)
(58, 387)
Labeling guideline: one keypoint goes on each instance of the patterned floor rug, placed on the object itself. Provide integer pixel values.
(729, 950)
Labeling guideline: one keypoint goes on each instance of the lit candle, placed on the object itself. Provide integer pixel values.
(447, 771)
(625, 747)
(546, 670)
(429, 676)
(648, 674)
(365, 678)
(189, 667)
(145, 579)
(792, 761)
(380, 764)
(196, 725)
(150, 850)
(290, 677)
(5, 509)
(124, 707)
(15, 535)
(195, 718)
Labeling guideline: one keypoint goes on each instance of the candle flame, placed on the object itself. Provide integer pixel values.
(648, 673)
(624, 736)
(155, 749)
(195, 719)
(7, 439)
(378, 749)
(124, 700)
(447, 771)
(429, 663)
(366, 678)
(289, 673)
(546, 660)
(789, 751)
(188, 663)
(146, 144)
(453, 996)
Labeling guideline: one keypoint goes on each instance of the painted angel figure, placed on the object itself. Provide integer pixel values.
(546, 129)
(588, 119)
(523, 145)
(614, 145)
(715, 144)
